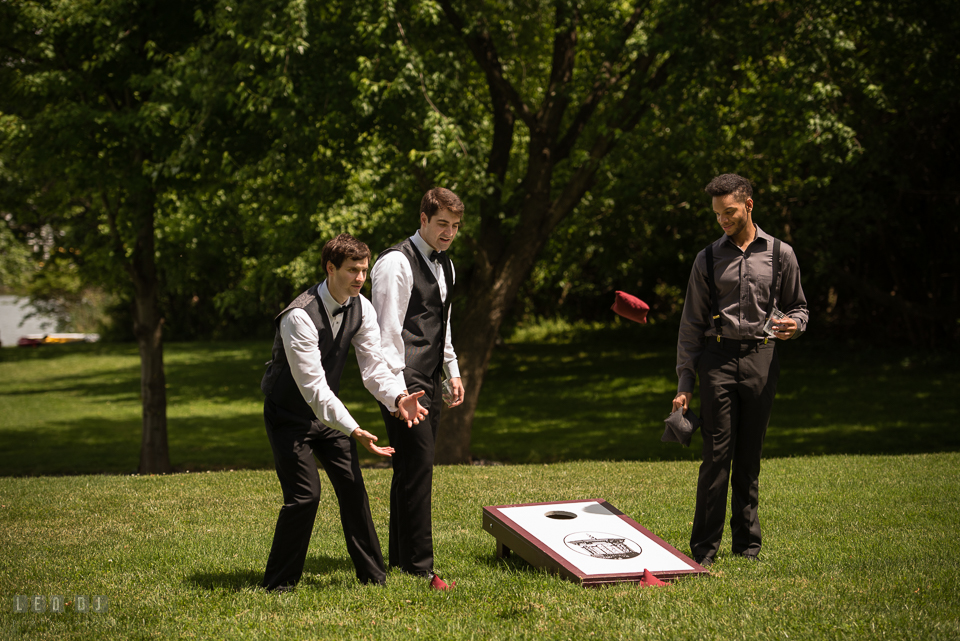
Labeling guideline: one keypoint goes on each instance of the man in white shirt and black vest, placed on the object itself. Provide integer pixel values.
(412, 289)
(305, 418)
(731, 323)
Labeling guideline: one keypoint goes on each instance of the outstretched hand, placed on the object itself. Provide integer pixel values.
(410, 410)
(367, 440)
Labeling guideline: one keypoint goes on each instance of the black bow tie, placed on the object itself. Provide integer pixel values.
(435, 256)
(342, 309)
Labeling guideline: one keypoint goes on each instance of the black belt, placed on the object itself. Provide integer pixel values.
(730, 344)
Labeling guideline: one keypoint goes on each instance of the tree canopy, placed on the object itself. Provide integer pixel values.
(191, 158)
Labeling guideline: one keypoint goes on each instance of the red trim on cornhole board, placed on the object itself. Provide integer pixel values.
(511, 536)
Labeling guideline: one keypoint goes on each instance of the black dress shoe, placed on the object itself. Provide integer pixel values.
(282, 589)
(705, 561)
(376, 582)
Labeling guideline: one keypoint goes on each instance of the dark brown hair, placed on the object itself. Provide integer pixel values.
(439, 198)
(342, 247)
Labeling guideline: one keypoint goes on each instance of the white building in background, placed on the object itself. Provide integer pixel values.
(14, 324)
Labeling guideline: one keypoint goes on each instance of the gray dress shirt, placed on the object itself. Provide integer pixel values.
(743, 281)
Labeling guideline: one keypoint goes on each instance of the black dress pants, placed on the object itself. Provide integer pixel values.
(411, 523)
(294, 441)
(738, 381)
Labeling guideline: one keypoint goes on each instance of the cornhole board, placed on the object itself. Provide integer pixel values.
(589, 542)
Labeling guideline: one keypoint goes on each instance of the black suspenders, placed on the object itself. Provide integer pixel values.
(715, 296)
(775, 284)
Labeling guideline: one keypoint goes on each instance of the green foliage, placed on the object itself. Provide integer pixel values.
(265, 129)
(881, 232)
(16, 262)
(821, 105)
(59, 291)
(130, 118)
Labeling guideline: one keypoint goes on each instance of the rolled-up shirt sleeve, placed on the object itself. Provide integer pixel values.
(693, 324)
(300, 339)
(451, 367)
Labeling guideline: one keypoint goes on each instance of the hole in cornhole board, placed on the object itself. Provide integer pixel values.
(588, 542)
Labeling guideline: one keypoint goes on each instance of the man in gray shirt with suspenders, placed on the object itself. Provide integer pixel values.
(743, 282)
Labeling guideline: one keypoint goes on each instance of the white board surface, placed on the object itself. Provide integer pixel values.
(595, 540)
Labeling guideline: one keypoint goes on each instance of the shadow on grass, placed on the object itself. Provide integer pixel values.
(219, 382)
(54, 352)
(239, 580)
(605, 399)
(99, 445)
(512, 562)
(235, 581)
(597, 396)
(215, 372)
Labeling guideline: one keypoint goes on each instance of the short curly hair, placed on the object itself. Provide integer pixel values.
(730, 184)
(342, 247)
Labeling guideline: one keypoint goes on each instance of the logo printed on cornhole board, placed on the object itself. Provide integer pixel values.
(589, 542)
(600, 545)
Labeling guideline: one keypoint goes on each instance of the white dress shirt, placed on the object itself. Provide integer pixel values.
(391, 296)
(300, 338)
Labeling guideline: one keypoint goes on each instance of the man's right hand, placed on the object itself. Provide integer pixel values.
(410, 410)
(367, 440)
(682, 401)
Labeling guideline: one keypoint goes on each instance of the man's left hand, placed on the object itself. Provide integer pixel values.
(785, 328)
(456, 386)
(367, 440)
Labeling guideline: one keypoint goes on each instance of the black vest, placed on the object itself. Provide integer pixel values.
(278, 384)
(425, 324)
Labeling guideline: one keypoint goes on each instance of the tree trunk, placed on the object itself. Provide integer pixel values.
(490, 294)
(148, 328)
(476, 327)
(504, 260)
(154, 453)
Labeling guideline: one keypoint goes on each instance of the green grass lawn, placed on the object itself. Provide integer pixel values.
(859, 500)
(855, 547)
(569, 395)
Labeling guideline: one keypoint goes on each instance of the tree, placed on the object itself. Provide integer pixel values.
(16, 262)
(881, 231)
(543, 114)
(544, 92)
(100, 135)
(845, 115)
